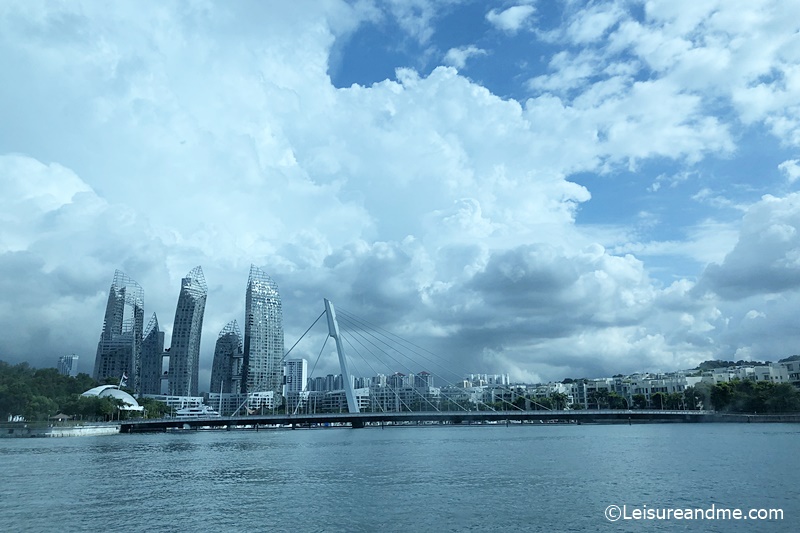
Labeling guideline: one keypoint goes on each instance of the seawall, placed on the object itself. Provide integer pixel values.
(742, 418)
(25, 430)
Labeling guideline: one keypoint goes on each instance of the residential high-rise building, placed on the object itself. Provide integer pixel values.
(68, 365)
(295, 374)
(226, 369)
(184, 352)
(152, 357)
(263, 335)
(423, 380)
(120, 348)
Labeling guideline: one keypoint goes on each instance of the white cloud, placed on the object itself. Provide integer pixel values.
(742, 54)
(156, 140)
(512, 19)
(765, 258)
(416, 17)
(672, 181)
(592, 22)
(790, 169)
(457, 57)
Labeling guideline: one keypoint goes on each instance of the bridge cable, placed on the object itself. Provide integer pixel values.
(315, 362)
(414, 389)
(365, 324)
(346, 339)
(399, 340)
(301, 336)
(393, 348)
(410, 371)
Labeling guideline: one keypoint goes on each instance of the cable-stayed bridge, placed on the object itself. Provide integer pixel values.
(407, 384)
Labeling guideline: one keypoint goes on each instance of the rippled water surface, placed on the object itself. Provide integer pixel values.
(488, 478)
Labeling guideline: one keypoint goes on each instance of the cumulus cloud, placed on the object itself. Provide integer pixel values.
(790, 169)
(512, 19)
(766, 258)
(156, 140)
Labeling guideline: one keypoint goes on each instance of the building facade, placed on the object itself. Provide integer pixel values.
(119, 350)
(295, 376)
(184, 352)
(68, 365)
(226, 369)
(263, 335)
(152, 357)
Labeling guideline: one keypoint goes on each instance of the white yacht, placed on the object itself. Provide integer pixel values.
(200, 411)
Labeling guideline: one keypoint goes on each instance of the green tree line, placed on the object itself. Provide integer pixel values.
(747, 396)
(38, 394)
(737, 396)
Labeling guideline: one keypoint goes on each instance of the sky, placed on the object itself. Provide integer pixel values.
(544, 189)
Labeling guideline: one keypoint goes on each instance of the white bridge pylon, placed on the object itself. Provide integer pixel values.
(333, 331)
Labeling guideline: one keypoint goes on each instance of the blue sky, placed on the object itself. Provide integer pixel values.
(548, 189)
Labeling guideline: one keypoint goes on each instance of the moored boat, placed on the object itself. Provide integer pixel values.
(201, 411)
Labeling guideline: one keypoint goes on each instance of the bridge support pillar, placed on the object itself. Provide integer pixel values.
(333, 331)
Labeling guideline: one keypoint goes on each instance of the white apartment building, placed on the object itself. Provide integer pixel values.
(295, 372)
(68, 365)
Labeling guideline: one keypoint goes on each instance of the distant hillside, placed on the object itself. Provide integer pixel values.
(711, 365)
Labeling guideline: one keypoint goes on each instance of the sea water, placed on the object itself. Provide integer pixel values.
(531, 477)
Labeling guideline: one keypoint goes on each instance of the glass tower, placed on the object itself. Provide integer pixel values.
(184, 352)
(263, 335)
(120, 348)
(152, 357)
(226, 370)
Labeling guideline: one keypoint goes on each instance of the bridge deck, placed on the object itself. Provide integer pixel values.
(451, 417)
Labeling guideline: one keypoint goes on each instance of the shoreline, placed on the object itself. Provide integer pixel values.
(26, 430)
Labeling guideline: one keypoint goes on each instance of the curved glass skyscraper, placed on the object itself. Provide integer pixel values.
(263, 335)
(226, 370)
(184, 352)
(152, 357)
(120, 348)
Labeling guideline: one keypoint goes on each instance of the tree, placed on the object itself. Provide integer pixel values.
(674, 400)
(691, 398)
(599, 398)
(90, 407)
(703, 391)
(40, 408)
(658, 400)
(639, 401)
(543, 403)
(520, 402)
(784, 399)
(615, 401)
(35, 392)
(559, 400)
(721, 396)
(748, 396)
